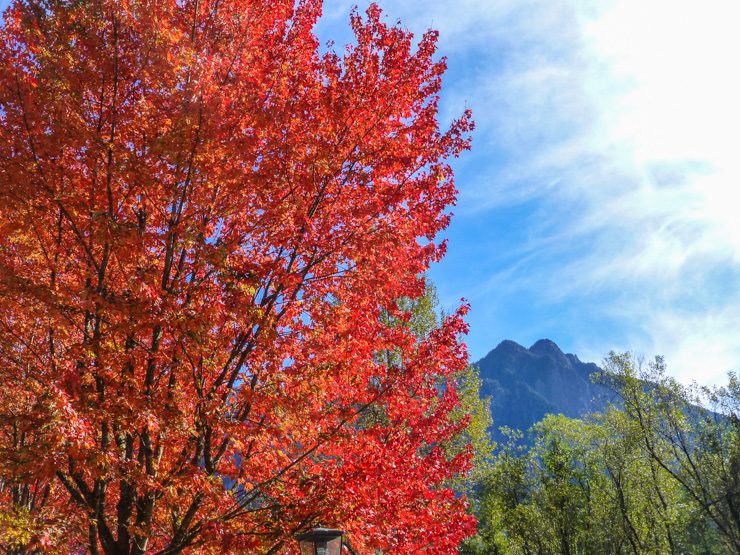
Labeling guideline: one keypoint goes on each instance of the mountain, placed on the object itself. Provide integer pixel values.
(526, 384)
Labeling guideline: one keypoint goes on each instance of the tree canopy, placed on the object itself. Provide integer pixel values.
(206, 225)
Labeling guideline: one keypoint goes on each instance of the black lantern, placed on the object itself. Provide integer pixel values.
(321, 541)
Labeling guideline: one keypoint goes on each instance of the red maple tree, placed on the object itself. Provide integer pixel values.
(206, 225)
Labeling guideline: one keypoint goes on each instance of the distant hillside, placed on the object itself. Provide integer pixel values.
(526, 384)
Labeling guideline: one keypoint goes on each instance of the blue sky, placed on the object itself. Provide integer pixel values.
(599, 205)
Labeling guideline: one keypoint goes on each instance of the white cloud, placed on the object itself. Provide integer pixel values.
(621, 120)
(676, 116)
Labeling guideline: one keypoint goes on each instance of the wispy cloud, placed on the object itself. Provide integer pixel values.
(615, 124)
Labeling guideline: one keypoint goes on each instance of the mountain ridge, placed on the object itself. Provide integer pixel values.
(525, 384)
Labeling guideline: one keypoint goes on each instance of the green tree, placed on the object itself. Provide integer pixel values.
(657, 472)
(472, 412)
(504, 519)
(476, 435)
(690, 433)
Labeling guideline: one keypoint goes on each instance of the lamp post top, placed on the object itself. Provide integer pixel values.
(320, 533)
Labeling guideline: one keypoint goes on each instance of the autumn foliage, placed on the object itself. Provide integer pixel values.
(206, 223)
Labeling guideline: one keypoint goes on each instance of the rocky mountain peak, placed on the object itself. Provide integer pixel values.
(545, 346)
(526, 384)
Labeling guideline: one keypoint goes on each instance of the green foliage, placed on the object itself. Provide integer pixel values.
(657, 472)
(692, 434)
(478, 412)
(425, 317)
